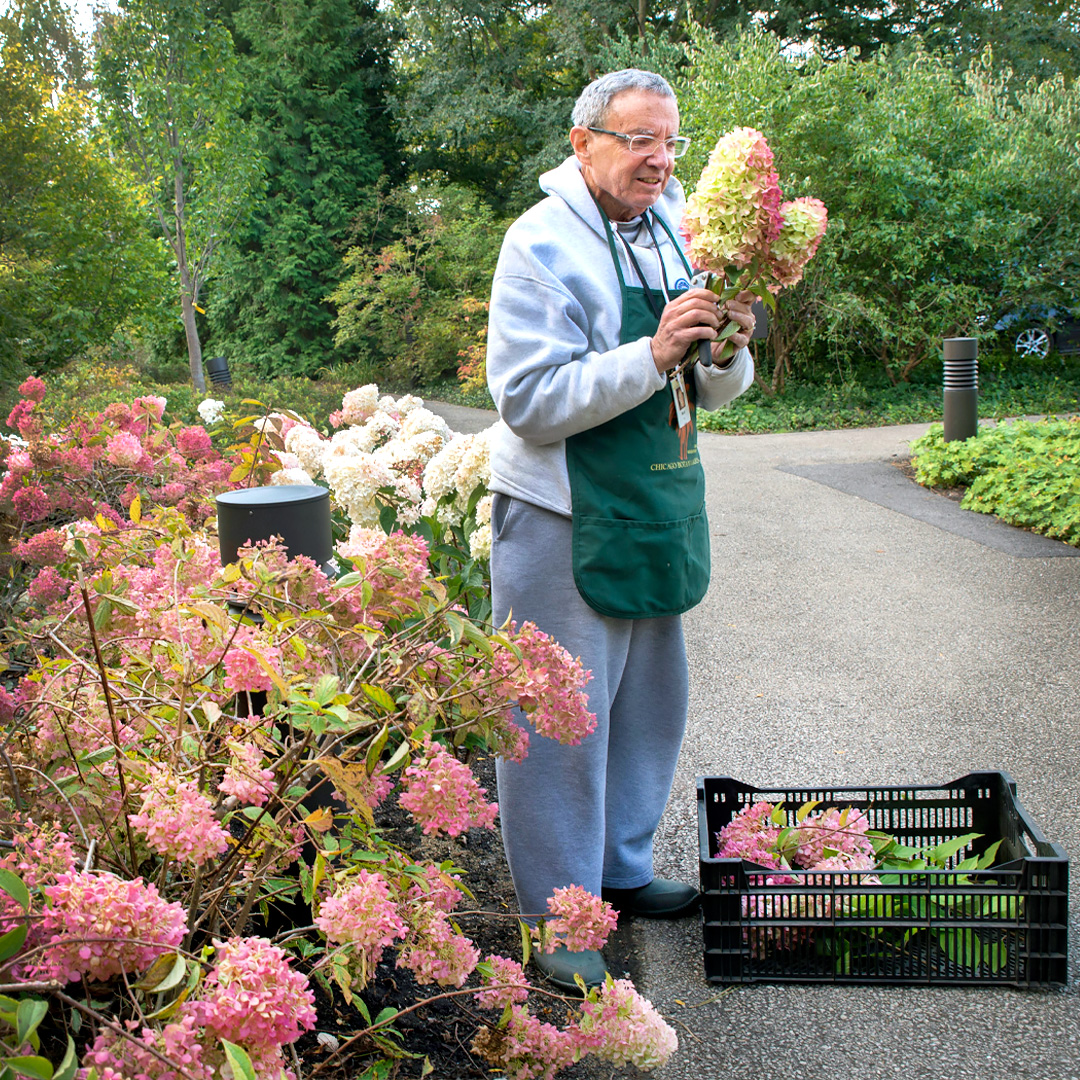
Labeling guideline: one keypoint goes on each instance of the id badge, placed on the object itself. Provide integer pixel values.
(682, 405)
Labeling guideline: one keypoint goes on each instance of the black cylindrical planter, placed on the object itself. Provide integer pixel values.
(298, 513)
(217, 367)
(961, 409)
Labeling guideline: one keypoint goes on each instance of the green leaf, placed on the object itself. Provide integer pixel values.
(70, 1064)
(239, 1062)
(13, 885)
(166, 973)
(526, 943)
(378, 696)
(12, 942)
(397, 757)
(941, 854)
(804, 810)
(378, 744)
(30, 1013)
(988, 856)
(37, 1067)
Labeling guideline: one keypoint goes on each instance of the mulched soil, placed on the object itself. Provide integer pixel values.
(442, 1032)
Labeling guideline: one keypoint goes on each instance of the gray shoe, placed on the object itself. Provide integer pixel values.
(560, 967)
(660, 899)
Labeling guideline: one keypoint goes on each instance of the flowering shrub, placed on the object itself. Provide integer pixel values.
(180, 721)
(739, 229)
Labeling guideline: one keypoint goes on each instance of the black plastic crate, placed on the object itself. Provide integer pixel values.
(1001, 926)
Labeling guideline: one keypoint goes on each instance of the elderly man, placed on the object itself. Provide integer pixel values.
(598, 518)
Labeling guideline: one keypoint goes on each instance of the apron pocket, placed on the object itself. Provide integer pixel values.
(641, 569)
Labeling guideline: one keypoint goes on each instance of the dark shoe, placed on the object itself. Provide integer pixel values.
(660, 899)
(560, 967)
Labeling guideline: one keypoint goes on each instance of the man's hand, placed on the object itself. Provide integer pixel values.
(738, 310)
(692, 316)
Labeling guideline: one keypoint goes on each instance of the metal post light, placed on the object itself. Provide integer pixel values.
(961, 409)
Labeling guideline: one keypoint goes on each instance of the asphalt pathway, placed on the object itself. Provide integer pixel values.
(862, 631)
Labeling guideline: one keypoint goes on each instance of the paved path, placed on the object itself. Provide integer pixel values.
(859, 630)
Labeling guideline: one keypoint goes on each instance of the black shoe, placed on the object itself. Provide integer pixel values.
(560, 967)
(660, 899)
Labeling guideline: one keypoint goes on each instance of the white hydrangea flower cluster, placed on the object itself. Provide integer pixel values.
(211, 410)
(290, 476)
(395, 444)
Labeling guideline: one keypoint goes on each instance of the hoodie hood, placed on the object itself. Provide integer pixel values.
(566, 182)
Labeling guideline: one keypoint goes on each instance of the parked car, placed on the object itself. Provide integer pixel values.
(1033, 332)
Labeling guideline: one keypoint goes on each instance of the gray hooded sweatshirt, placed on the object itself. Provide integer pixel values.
(554, 363)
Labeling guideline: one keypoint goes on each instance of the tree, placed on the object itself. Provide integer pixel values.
(170, 98)
(947, 195)
(75, 261)
(46, 39)
(315, 76)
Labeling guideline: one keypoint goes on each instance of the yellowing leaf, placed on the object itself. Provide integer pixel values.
(321, 820)
(351, 780)
(135, 510)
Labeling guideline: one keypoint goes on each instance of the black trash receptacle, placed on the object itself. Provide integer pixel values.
(298, 513)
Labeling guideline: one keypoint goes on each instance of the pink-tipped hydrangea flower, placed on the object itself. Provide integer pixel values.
(364, 915)
(178, 820)
(505, 985)
(733, 214)
(98, 925)
(443, 796)
(123, 449)
(244, 777)
(828, 833)
(751, 834)
(578, 919)
(434, 952)
(527, 1048)
(253, 997)
(805, 221)
(624, 1028)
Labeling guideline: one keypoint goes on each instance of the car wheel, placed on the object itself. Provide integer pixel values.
(1032, 341)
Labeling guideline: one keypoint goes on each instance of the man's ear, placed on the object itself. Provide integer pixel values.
(579, 140)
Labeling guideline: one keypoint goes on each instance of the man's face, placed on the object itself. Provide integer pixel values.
(626, 184)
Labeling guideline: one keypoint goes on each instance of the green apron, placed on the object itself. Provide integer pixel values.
(640, 535)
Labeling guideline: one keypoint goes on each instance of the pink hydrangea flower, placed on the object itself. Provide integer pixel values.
(45, 548)
(124, 449)
(805, 222)
(253, 997)
(434, 952)
(751, 834)
(833, 832)
(242, 670)
(505, 985)
(193, 442)
(579, 920)
(439, 888)
(178, 820)
(244, 778)
(118, 1058)
(98, 925)
(624, 1028)
(547, 683)
(32, 504)
(527, 1048)
(364, 915)
(149, 405)
(33, 389)
(48, 587)
(443, 795)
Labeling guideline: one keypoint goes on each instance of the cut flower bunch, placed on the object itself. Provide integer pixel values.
(827, 865)
(739, 229)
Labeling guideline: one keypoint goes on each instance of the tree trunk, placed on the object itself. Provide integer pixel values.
(194, 346)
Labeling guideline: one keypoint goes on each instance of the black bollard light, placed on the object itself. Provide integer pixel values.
(961, 407)
(217, 367)
(298, 513)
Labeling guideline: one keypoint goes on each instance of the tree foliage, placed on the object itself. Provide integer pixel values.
(74, 260)
(170, 95)
(948, 196)
(314, 75)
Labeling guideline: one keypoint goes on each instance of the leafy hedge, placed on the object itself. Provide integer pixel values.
(1026, 472)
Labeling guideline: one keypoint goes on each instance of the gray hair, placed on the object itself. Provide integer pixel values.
(591, 107)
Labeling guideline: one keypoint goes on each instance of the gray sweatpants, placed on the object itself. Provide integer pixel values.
(585, 815)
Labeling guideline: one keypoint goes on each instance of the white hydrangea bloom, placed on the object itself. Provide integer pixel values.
(474, 468)
(379, 428)
(420, 420)
(480, 541)
(287, 460)
(354, 479)
(211, 410)
(290, 476)
(357, 405)
(308, 446)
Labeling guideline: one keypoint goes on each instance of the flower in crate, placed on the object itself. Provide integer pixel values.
(751, 835)
(833, 834)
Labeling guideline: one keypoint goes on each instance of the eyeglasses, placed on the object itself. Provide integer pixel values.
(647, 145)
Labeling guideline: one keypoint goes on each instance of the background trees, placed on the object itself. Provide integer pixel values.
(332, 178)
(170, 95)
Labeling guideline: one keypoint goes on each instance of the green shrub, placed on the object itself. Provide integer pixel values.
(1027, 473)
